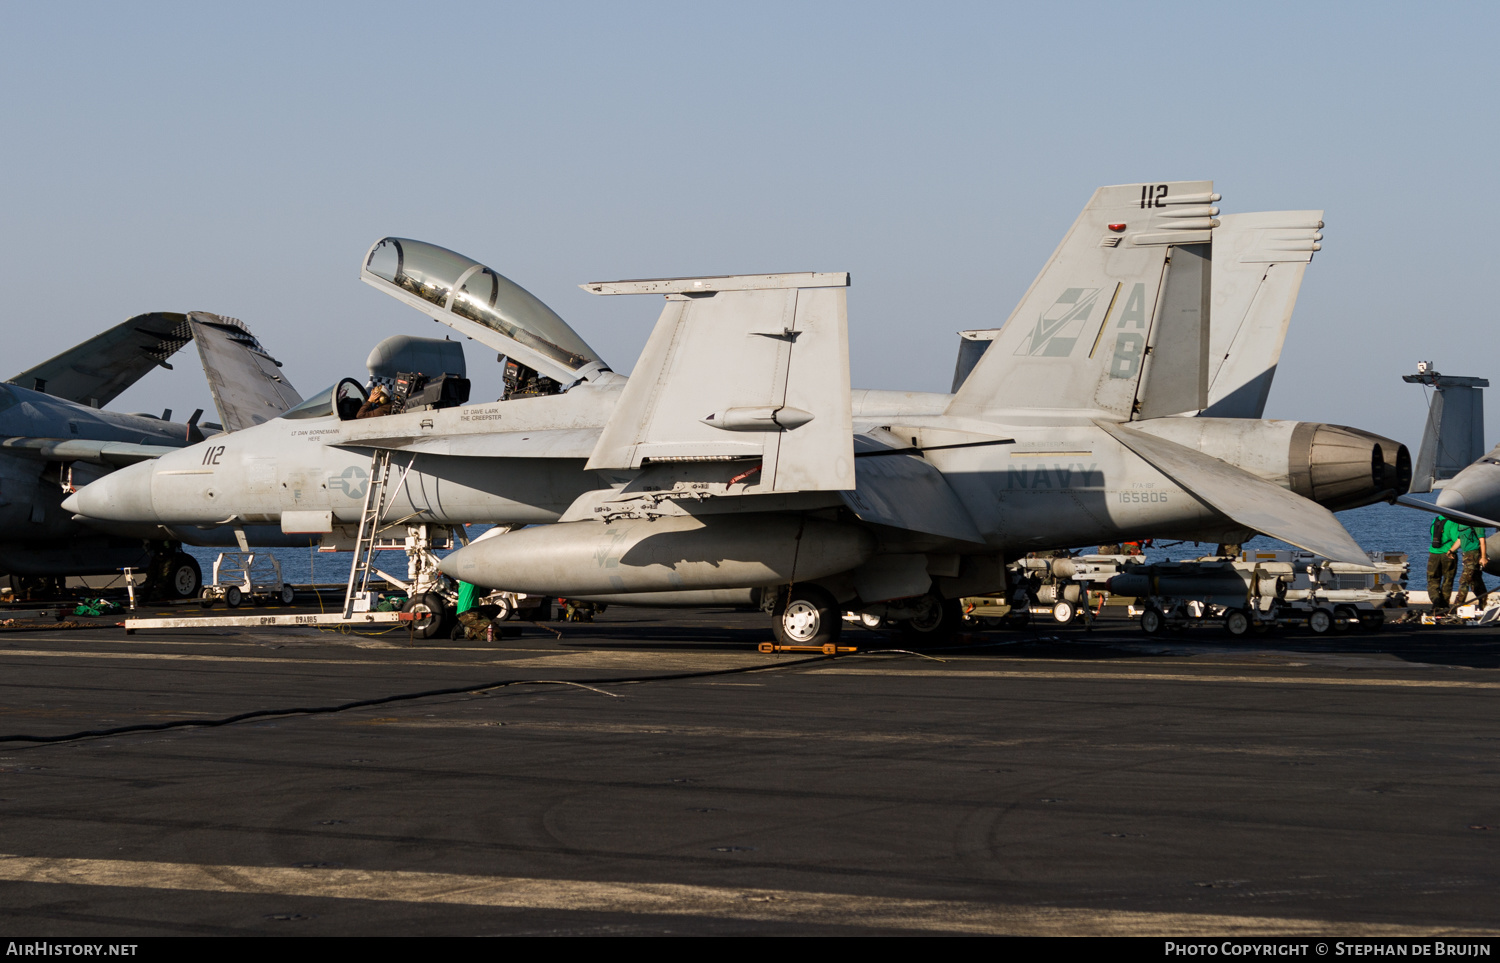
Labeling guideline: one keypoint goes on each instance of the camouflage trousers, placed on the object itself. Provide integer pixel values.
(475, 625)
(1472, 579)
(1441, 567)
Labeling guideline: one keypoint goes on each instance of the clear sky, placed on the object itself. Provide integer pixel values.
(241, 158)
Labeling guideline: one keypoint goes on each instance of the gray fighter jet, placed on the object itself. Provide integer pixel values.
(54, 438)
(1452, 461)
(736, 465)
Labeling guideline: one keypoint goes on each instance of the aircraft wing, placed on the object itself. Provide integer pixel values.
(1253, 502)
(114, 453)
(247, 383)
(1258, 263)
(97, 371)
(747, 367)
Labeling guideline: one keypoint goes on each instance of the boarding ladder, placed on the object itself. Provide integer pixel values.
(369, 527)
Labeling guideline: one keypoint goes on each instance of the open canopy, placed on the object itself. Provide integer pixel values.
(482, 304)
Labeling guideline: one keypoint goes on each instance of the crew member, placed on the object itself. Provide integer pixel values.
(1476, 557)
(1442, 563)
(471, 620)
(378, 404)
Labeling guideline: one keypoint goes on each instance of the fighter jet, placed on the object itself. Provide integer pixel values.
(1452, 461)
(736, 464)
(54, 438)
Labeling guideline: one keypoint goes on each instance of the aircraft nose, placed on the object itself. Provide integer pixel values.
(1451, 498)
(120, 496)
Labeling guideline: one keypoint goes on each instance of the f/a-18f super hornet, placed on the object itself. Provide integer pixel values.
(54, 438)
(735, 464)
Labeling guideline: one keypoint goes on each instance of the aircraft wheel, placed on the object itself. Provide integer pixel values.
(431, 615)
(288, 595)
(1064, 612)
(184, 577)
(233, 596)
(1237, 623)
(938, 620)
(809, 617)
(1320, 621)
(1152, 621)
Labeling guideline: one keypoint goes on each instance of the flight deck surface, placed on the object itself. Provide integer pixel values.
(1054, 781)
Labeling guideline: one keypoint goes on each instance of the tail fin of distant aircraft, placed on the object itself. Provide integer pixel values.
(247, 383)
(751, 367)
(1454, 436)
(97, 371)
(1117, 321)
(1258, 263)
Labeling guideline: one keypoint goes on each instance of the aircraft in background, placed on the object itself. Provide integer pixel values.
(736, 465)
(55, 437)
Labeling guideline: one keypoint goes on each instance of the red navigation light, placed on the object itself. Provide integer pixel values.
(1117, 228)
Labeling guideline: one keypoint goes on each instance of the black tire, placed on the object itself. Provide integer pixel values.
(1152, 621)
(938, 623)
(233, 596)
(1344, 618)
(432, 615)
(207, 599)
(1236, 623)
(1320, 621)
(288, 595)
(184, 577)
(809, 616)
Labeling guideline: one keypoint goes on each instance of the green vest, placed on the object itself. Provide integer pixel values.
(466, 595)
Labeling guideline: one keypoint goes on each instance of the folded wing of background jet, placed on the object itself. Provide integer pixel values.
(96, 371)
(247, 384)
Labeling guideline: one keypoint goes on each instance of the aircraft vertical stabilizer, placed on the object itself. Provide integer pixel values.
(1259, 260)
(750, 367)
(1116, 323)
(1454, 436)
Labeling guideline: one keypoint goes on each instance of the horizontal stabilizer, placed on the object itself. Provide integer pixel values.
(113, 453)
(1478, 521)
(769, 364)
(905, 491)
(247, 383)
(97, 371)
(1242, 497)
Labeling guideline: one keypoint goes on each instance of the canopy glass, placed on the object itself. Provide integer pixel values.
(475, 293)
(343, 399)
